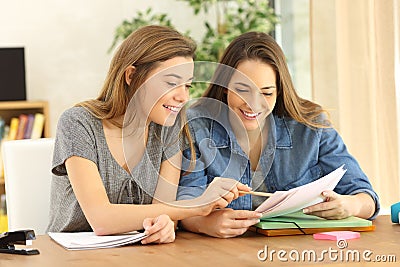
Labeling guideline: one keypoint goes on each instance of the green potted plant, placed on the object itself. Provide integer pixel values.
(233, 18)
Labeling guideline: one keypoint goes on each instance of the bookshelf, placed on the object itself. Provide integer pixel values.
(10, 109)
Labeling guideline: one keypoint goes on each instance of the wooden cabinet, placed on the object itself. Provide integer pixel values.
(10, 109)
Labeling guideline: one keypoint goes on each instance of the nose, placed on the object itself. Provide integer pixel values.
(181, 94)
(256, 102)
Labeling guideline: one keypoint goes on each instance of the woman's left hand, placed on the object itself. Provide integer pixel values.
(159, 230)
(335, 206)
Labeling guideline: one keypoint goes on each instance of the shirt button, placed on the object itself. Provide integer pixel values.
(273, 188)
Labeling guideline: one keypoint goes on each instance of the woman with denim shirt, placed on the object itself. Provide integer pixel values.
(252, 126)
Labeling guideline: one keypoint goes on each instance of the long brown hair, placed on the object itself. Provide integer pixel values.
(261, 46)
(144, 48)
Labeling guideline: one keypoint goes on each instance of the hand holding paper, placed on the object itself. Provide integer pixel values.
(284, 202)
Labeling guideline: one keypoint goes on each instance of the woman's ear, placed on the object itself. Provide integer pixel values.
(129, 72)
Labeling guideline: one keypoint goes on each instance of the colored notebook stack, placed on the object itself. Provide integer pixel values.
(298, 223)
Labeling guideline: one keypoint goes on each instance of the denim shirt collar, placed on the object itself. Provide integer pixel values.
(222, 134)
(283, 135)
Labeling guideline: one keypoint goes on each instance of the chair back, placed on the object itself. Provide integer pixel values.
(27, 174)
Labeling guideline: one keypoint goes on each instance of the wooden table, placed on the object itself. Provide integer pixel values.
(197, 250)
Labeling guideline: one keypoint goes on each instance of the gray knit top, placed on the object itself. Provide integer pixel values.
(80, 134)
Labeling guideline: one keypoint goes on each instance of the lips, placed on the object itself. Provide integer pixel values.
(172, 108)
(250, 115)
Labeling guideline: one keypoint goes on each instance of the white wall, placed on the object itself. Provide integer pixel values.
(66, 43)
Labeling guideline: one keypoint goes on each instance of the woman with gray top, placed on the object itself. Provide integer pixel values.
(116, 163)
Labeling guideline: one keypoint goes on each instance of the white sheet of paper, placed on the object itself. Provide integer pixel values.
(284, 202)
(88, 240)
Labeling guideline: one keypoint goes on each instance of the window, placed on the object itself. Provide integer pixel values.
(293, 34)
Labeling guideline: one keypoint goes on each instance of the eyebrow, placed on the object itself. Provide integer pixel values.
(262, 88)
(177, 76)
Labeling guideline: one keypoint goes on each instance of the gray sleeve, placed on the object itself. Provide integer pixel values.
(75, 137)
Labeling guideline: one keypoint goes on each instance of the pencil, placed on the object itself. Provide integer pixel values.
(261, 194)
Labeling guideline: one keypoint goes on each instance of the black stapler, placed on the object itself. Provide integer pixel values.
(8, 240)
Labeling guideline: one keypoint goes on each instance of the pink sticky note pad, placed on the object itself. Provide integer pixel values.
(336, 235)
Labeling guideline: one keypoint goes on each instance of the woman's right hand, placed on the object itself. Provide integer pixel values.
(219, 193)
(159, 230)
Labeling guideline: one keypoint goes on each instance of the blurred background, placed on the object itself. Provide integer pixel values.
(342, 54)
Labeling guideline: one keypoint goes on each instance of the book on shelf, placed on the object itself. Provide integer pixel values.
(298, 223)
(12, 134)
(29, 126)
(2, 128)
(37, 128)
(89, 240)
(23, 120)
(1, 163)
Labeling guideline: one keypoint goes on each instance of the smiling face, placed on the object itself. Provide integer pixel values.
(167, 90)
(252, 93)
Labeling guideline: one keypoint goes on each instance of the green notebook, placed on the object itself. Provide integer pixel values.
(300, 220)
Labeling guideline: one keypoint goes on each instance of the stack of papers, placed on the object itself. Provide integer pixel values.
(88, 240)
(284, 202)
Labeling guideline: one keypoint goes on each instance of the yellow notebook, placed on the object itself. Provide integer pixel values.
(298, 223)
